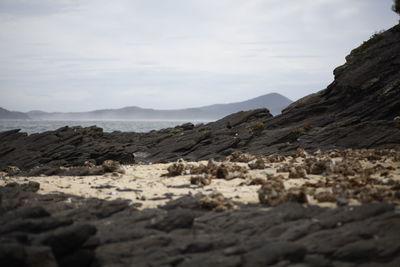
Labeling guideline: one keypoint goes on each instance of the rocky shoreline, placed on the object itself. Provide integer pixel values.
(334, 208)
(339, 146)
(359, 109)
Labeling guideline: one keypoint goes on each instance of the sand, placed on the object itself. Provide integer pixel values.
(145, 184)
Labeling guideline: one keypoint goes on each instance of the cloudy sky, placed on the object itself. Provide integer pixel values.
(77, 55)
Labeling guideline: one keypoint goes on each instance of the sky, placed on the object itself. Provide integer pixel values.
(80, 55)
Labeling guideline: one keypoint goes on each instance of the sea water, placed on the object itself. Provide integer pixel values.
(38, 126)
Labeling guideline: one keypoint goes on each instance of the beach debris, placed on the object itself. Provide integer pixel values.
(257, 164)
(89, 164)
(176, 169)
(284, 168)
(295, 194)
(198, 169)
(112, 166)
(11, 170)
(229, 171)
(238, 156)
(325, 196)
(200, 180)
(257, 181)
(275, 158)
(297, 172)
(301, 153)
(273, 193)
(216, 201)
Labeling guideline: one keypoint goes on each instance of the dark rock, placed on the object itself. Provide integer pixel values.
(112, 166)
(11, 170)
(40, 256)
(12, 254)
(32, 225)
(174, 219)
(66, 240)
(342, 202)
(270, 253)
(94, 232)
(30, 187)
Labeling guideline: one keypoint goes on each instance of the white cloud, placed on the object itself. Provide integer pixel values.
(186, 52)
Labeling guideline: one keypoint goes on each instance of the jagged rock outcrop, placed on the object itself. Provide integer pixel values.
(359, 107)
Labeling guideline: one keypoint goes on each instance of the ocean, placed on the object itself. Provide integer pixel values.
(38, 126)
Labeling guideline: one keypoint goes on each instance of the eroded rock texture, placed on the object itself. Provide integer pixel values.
(46, 230)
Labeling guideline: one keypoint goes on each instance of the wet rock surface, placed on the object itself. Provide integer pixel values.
(68, 230)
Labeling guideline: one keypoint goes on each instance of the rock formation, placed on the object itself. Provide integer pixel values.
(67, 230)
(357, 110)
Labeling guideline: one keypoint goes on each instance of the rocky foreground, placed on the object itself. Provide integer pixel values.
(334, 208)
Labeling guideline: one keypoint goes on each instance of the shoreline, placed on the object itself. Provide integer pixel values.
(239, 178)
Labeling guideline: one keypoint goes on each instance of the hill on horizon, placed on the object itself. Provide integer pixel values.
(12, 115)
(274, 102)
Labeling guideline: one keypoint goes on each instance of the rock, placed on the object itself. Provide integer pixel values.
(177, 168)
(11, 170)
(174, 219)
(271, 192)
(30, 187)
(296, 195)
(186, 231)
(65, 241)
(40, 256)
(186, 126)
(270, 253)
(200, 180)
(342, 202)
(216, 201)
(90, 164)
(325, 197)
(222, 172)
(297, 172)
(240, 157)
(112, 166)
(257, 164)
(13, 254)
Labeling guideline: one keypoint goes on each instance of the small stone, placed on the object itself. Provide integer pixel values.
(257, 164)
(89, 163)
(342, 202)
(112, 166)
(325, 197)
(216, 201)
(200, 180)
(297, 172)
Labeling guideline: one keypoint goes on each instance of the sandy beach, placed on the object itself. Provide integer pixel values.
(149, 185)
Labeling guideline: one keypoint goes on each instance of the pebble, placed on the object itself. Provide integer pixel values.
(342, 202)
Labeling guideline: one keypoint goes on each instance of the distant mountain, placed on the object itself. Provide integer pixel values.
(274, 102)
(12, 115)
